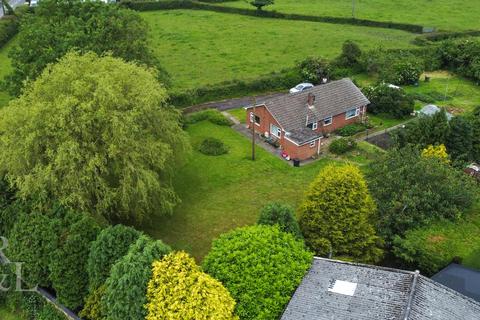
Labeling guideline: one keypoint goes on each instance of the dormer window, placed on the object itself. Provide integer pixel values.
(313, 125)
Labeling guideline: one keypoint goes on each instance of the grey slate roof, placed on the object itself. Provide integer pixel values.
(380, 294)
(461, 279)
(336, 97)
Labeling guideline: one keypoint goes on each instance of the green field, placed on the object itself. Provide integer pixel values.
(451, 15)
(201, 47)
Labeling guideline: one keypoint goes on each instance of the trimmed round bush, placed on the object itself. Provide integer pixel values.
(179, 290)
(281, 215)
(261, 266)
(213, 147)
(342, 145)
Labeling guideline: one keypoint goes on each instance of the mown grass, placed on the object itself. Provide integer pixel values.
(462, 94)
(224, 192)
(200, 47)
(451, 15)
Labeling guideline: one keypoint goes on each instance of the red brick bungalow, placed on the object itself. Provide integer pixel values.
(300, 120)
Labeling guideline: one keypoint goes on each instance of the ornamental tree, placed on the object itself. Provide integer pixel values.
(111, 244)
(282, 215)
(126, 288)
(93, 309)
(179, 290)
(68, 265)
(261, 266)
(96, 134)
(337, 215)
(62, 25)
(439, 152)
(412, 191)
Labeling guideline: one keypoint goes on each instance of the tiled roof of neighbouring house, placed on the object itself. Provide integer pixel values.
(462, 279)
(348, 291)
(333, 98)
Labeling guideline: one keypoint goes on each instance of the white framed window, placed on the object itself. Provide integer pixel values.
(328, 121)
(312, 144)
(254, 117)
(352, 113)
(275, 131)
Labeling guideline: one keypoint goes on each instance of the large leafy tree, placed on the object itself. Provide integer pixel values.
(261, 266)
(111, 244)
(126, 288)
(96, 134)
(392, 101)
(179, 290)
(337, 215)
(62, 25)
(412, 191)
(69, 262)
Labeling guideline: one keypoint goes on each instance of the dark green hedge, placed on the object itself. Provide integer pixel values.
(8, 28)
(440, 36)
(188, 4)
(236, 88)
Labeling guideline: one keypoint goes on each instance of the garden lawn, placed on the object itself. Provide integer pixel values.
(462, 94)
(5, 68)
(224, 192)
(202, 47)
(449, 15)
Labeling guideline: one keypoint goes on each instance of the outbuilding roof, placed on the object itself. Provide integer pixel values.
(292, 112)
(431, 109)
(462, 279)
(349, 291)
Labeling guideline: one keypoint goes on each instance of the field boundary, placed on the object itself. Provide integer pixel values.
(195, 5)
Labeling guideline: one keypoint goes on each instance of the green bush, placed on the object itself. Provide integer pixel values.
(213, 147)
(8, 28)
(212, 115)
(111, 244)
(49, 312)
(412, 191)
(261, 266)
(314, 69)
(281, 215)
(392, 101)
(351, 129)
(405, 72)
(342, 145)
(126, 288)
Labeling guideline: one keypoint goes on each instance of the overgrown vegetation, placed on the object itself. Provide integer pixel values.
(342, 145)
(213, 147)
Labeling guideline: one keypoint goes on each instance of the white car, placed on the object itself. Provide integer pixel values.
(301, 87)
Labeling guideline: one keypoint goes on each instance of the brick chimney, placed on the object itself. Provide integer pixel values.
(311, 100)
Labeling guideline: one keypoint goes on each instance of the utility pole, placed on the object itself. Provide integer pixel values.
(252, 120)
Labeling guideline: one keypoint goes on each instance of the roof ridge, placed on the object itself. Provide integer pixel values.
(367, 265)
(413, 286)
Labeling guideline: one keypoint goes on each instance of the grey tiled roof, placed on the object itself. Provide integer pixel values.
(380, 294)
(336, 97)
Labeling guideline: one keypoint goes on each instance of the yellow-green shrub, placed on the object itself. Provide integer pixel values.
(180, 290)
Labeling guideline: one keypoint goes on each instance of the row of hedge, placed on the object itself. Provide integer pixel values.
(272, 82)
(8, 28)
(440, 36)
(188, 4)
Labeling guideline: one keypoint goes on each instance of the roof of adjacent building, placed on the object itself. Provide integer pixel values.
(333, 98)
(462, 279)
(349, 291)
